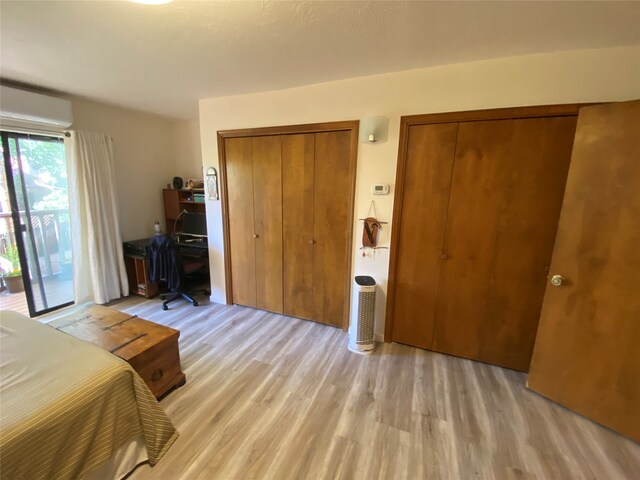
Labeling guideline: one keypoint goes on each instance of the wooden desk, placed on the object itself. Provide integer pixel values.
(138, 275)
(137, 267)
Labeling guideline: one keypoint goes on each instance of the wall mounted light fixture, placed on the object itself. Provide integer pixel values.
(374, 129)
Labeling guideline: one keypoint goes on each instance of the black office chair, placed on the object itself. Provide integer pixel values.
(166, 264)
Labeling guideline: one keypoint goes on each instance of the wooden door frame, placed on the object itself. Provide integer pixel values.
(406, 122)
(348, 125)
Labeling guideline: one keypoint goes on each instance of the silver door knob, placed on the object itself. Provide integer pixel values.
(557, 280)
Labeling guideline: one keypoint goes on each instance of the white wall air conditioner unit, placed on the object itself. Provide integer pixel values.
(361, 329)
(22, 106)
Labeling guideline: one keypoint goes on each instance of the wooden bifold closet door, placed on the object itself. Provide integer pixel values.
(267, 208)
(316, 189)
(298, 154)
(477, 220)
(242, 229)
(427, 183)
(254, 185)
(332, 227)
(290, 201)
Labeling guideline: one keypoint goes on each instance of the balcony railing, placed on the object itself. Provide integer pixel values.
(51, 235)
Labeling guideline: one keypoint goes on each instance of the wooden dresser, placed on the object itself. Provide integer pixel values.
(150, 348)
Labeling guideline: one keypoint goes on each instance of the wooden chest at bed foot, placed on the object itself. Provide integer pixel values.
(151, 349)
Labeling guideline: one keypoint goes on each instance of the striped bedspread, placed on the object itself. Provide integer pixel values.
(66, 405)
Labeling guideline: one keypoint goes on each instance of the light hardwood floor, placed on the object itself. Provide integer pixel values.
(273, 397)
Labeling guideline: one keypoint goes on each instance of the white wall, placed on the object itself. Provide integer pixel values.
(568, 77)
(144, 156)
(187, 150)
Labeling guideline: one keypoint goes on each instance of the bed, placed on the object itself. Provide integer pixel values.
(69, 409)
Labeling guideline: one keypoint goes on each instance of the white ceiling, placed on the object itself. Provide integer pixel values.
(162, 59)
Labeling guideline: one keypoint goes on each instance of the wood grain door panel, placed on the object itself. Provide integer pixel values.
(332, 225)
(427, 183)
(586, 353)
(267, 204)
(528, 219)
(297, 217)
(239, 168)
(482, 152)
(507, 188)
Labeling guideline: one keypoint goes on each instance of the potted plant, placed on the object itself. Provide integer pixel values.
(11, 270)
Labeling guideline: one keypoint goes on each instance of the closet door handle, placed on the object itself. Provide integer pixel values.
(311, 242)
(444, 256)
(255, 235)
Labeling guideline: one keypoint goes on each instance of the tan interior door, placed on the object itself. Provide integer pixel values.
(239, 170)
(267, 205)
(587, 350)
(297, 217)
(331, 226)
(427, 181)
(506, 193)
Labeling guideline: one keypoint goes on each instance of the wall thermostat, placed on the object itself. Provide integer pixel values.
(380, 189)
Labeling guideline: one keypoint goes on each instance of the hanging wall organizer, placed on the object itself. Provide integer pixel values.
(371, 229)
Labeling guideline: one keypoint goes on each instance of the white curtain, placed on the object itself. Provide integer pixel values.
(99, 274)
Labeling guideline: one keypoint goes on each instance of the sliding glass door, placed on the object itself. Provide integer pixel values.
(36, 177)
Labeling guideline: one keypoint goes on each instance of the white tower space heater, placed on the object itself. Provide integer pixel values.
(361, 336)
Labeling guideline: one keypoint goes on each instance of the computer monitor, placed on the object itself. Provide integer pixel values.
(194, 224)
